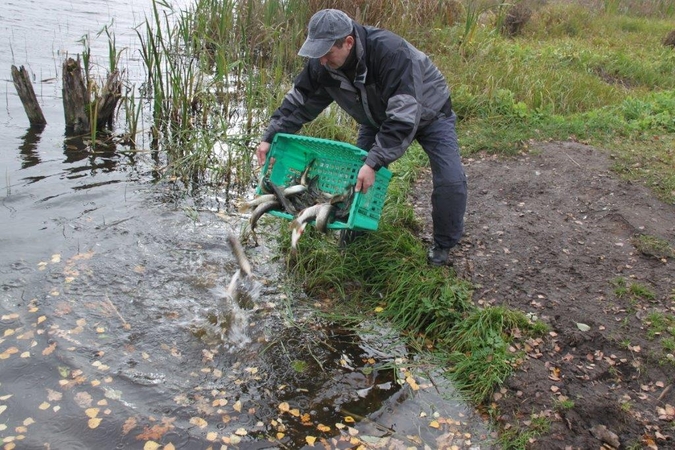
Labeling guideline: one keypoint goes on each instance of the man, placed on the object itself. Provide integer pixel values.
(396, 94)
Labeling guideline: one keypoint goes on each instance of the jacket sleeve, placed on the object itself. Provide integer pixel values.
(301, 104)
(400, 78)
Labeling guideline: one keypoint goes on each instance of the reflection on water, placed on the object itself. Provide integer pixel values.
(28, 148)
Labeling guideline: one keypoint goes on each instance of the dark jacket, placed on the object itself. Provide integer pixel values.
(396, 89)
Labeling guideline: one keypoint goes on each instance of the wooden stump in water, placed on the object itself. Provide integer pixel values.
(75, 97)
(27, 95)
(107, 101)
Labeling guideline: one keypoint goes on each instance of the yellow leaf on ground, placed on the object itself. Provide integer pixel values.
(94, 422)
(322, 427)
(310, 440)
(280, 436)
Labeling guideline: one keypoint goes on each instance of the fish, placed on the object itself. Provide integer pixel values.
(304, 178)
(262, 209)
(290, 191)
(238, 252)
(281, 197)
(299, 224)
(324, 217)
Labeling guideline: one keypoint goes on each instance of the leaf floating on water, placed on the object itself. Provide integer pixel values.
(323, 428)
(583, 326)
(28, 421)
(237, 406)
(49, 349)
(3, 408)
(310, 440)
(349, 419)
(44, 406)
(212, 436)
(169, 446)
(54, 396)
(284, 407)
(94, 422)
(83, 399)
(413, 384)
(56, 258)
(198, 421)
(241, 432)
(92, 412)
(151, 445)
(129, 425)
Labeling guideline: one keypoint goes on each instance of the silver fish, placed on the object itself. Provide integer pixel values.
(281, 197)
(262, 209)
(324, 217)
(300, 222)
(290, 191)
(238, 251)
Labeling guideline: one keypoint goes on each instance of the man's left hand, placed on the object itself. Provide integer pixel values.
(365, 179)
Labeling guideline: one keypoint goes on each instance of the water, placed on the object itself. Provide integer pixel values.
(118, 324)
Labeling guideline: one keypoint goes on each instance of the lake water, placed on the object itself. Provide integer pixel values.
(117, 330)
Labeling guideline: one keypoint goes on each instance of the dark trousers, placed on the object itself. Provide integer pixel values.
(448, 198)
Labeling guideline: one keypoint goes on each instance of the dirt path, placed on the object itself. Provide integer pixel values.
(553, 233)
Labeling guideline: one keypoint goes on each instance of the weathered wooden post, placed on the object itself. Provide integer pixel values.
(27, 95)
(75, 97)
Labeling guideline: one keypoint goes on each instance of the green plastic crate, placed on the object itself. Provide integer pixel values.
(337, 164)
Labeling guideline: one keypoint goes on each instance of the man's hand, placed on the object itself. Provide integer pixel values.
(261, 152)
(365, 179)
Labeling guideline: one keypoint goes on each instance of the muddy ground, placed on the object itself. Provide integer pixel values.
(553, 233)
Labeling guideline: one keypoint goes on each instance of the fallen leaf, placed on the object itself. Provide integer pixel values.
(44, 405)
(198, 421)
(49, 349)
(94, 422)
(211, 436)
(322, 427)
(151, 445)
(284, 407)
(129, 425)
(237, 406)
(54, 396)
(241, 432)
(583, 326)
(310, 440)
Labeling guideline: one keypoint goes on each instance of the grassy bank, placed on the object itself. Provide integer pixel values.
(590, 71)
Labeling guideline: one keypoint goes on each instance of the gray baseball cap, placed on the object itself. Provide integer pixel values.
(325, 27)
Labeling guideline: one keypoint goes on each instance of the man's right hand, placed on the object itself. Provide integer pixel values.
(261, 152)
